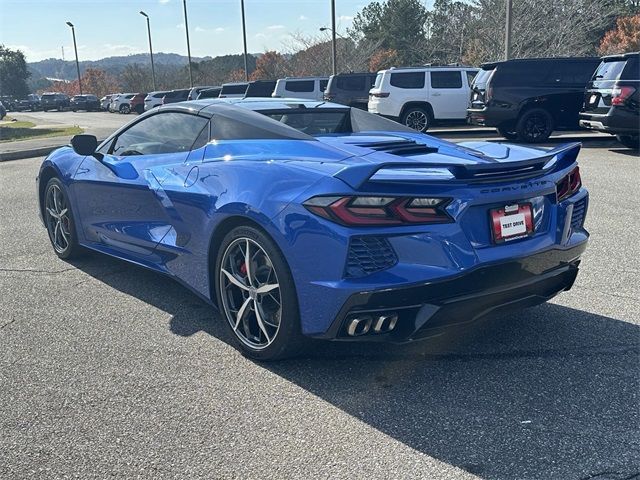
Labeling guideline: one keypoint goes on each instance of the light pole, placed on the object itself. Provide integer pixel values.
(153, 70)
(75, 47)
(334, 60)
(507, 30)
(186, 29)
(244, 40)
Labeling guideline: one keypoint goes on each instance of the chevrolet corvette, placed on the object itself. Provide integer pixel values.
(301, 219)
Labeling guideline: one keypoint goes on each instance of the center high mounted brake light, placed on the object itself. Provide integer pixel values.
(380, 211)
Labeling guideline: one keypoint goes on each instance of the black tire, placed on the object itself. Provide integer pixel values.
(507, 133)
(45, 110)
(417, 118)
(535, 125)
(629, 141)
(67, 228)
(287, 339)
(125, 109)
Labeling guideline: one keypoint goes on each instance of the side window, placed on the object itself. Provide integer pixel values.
(323, 85)
(352, 83)
(299, 85)
(407, 79)
(631, 70)
(571, 73)
(165, 132)
(446, 80)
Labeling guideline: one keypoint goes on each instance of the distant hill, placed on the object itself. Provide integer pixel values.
(66, 69)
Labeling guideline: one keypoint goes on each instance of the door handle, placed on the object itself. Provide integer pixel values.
(436, 94)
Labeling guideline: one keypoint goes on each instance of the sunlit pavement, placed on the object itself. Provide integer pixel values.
(109, 370)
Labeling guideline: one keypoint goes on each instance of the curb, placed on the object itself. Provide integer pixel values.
(34, 152)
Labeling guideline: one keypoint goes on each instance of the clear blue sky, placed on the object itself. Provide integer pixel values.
(107, 28)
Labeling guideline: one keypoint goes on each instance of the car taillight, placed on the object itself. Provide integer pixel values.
(488, 88)
(379, 211)
(619, 95)
(569, 184)
(380, 94)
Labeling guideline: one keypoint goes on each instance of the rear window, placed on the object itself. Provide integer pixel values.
(159, 95)
(480, 80)
(632, 69)
(262, 89)
(609, 70)
(351, 84)
(299, 85)
(407, 79)
(48, 96)
(378, 81)
(313, 123)
(446, 80)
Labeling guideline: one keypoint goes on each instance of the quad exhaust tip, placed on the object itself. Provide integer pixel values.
(361, 324)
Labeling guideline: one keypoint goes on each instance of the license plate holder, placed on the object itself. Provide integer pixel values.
(511, 222)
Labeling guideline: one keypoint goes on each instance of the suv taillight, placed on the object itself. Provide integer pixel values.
(619, 95)
(380, 94)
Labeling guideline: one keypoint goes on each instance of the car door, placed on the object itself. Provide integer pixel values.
(121, 203)
(448, 94)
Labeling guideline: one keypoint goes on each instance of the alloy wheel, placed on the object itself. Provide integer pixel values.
(417, 120)
(250, 293)
(57, 219)
(536, 127)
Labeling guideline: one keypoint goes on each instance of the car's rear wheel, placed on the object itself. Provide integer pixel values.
(59, 220)
(256, 295)
(629, 141)
(417, 118)
(507, 132)
(535, 125)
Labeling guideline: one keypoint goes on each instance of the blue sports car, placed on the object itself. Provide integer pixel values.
(309, 219)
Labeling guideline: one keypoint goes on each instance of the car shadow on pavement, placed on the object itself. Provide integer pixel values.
(547, 393)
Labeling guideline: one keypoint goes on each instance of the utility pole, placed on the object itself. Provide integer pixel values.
(75, 47)
(186, 29)
(244, 40)
(334, 62)
(153, 70)
(507, 34)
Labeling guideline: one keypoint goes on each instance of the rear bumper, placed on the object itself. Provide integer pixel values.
(489, 117)
(425, 310)
(617, 121)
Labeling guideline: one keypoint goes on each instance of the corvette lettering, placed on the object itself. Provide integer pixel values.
(523, 186)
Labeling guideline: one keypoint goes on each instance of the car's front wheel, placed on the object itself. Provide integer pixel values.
(629, 141)
(535, 125)
(417, 118)
(125, 109)
(256, 295)
(59, 220)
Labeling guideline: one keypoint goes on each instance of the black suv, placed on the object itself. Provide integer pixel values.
(350, 89)
(530, 98)
(54, 101)
(612, 99)
(85, 102)
(260, 88)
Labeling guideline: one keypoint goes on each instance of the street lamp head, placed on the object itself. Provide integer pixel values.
(324, 29)
(70, 24)
(143, 14)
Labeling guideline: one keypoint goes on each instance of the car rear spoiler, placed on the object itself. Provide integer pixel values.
(560, 157)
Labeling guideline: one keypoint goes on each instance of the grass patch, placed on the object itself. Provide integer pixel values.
(16, 131)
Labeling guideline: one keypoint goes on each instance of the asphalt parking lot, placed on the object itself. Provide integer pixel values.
(107, 370)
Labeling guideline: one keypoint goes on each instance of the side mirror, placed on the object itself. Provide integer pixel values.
(84, 144)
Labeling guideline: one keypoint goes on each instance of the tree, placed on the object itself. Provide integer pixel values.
(135, 78)
(382, 59)
(625, 37)
(69, 88)
(270, 66)
(13, 73)
(98, 82)
(394, 24)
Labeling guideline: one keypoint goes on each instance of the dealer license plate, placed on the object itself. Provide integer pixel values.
(511, 222)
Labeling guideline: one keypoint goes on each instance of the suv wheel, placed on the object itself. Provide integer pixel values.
(417, 118)
(536, 125)
(507, 133)
(125, 109)
(629, 141)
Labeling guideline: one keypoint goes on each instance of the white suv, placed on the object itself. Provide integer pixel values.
(120, 102)
(311, 88)
(416, 96)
